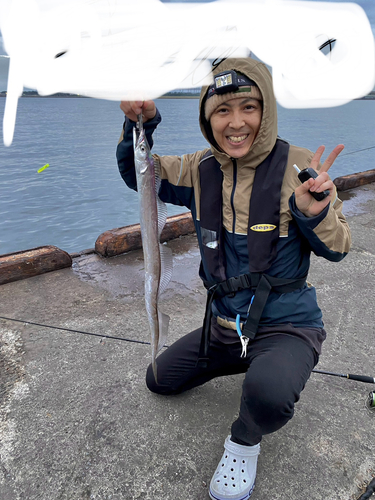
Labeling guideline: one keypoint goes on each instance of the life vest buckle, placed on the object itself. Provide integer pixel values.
(236, 284)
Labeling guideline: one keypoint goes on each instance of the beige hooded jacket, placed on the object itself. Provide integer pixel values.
(333, 230)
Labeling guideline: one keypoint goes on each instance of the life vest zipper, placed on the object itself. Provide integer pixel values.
(234, 161)
(232, 195)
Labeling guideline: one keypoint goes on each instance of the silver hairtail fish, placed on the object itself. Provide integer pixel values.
(157, 257)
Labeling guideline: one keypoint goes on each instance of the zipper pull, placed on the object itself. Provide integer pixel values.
(244, 342)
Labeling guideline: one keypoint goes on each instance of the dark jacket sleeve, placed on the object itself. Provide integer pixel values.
(125, 149)
(328, 233)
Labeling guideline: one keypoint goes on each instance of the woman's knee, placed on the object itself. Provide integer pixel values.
(158, 386)
(268, 405)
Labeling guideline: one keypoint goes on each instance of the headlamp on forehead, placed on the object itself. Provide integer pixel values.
(229, 81)
(227, 85)
(226, 81)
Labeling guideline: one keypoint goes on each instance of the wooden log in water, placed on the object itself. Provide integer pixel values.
(124, 239)
(20, 265)
(351, 181)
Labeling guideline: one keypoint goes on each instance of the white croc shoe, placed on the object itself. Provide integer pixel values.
(234, 478)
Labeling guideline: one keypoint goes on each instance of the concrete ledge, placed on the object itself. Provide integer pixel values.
(351, 181)
(20, 265)
(25, 264)
(124, 239)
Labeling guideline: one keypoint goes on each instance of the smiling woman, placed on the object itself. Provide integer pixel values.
(256, 227)
(235, 125)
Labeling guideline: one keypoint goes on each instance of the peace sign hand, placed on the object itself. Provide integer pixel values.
(305, 202)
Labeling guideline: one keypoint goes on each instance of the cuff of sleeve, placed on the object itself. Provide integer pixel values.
(310, 222)
(149, 127)
(150, 124)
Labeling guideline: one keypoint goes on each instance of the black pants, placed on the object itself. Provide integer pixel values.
(276, 367)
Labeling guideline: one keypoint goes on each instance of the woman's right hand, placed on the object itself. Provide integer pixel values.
(305, 202)
(134, 108)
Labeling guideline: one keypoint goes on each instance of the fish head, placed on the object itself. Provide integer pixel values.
(142, 152)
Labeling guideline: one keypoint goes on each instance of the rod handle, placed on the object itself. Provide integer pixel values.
(361, 378)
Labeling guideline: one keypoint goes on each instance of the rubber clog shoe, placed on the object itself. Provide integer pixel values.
(234, 478)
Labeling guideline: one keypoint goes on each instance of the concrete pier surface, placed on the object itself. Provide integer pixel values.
(77, 421)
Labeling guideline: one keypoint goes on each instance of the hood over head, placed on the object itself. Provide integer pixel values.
(267, 135)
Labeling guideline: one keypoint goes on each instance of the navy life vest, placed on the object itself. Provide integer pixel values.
(262, 245)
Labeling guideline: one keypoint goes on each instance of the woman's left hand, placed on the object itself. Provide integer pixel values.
(305, 202)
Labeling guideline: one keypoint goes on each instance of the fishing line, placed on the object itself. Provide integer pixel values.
(370, 402)
(124, 339)
(359, 378)
(353, 152)
(357, 151)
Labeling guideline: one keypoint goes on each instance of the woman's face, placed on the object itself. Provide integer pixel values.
(235, 125)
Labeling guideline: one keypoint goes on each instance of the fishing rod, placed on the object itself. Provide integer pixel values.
(350, 376)
(357, 151)
(370, 402)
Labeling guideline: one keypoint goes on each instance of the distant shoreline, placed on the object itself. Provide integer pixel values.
(64, 96)
(67, 96)
(369, 97)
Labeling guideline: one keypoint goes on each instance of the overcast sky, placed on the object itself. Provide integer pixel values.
(367, 5)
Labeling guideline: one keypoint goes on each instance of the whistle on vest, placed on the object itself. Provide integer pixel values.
(308, 173)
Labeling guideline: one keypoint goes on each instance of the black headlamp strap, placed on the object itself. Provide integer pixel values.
(229, 81)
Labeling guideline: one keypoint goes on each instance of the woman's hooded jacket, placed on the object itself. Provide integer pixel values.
(326, 235)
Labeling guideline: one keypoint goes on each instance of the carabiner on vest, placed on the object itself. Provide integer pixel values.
(244, 340)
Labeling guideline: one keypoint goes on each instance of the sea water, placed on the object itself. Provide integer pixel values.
(81, 194)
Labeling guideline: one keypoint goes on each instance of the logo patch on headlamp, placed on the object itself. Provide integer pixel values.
(230, 81)
(261, 228)
(223, 80)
